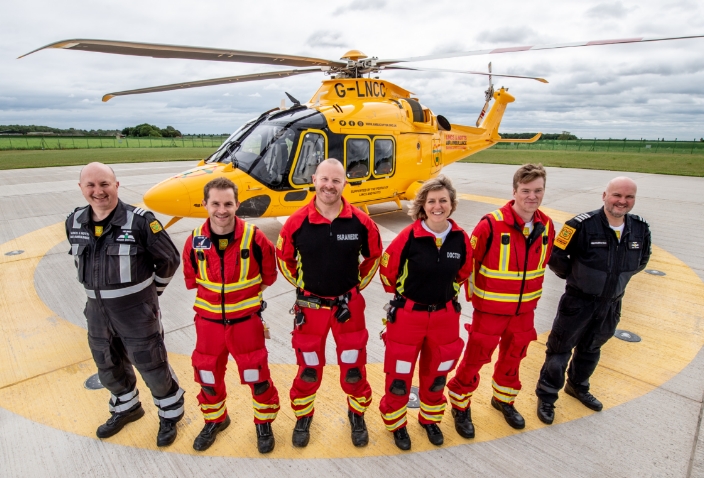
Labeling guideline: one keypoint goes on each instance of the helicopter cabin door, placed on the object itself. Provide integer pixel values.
(370, 162)
(436, 160)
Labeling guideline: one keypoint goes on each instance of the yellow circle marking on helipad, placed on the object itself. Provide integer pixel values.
(44, 361)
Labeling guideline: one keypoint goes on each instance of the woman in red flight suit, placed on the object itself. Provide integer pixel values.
(424, 266)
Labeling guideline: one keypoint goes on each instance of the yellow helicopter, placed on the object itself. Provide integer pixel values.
(387, 140)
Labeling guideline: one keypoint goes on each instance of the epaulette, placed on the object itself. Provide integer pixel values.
(74, 211)
(640, 218)
(583, 216)
(140, 211)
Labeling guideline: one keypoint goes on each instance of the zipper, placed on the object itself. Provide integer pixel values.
(222, 290)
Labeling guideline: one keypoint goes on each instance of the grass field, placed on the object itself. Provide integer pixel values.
(44, 159)
(675, 164)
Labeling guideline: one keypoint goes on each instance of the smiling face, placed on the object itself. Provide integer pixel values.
(528, 198)
(99, 186)
(438, 207)
(221, 207)
(329, 181)
(619, 198)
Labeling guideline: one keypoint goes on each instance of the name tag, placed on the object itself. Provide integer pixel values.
(348, 237)
(598, 243)
(202, 242)
(634, 245)
(453, 255)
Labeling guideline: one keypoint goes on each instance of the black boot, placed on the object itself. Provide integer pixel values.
(265, 437)
(511, 415)
(435, 435)
(167, 432)
(301, 432)
(463, 422)
(587, 399)
(118, 421)
(402, 439)
(546, 412)
(360, 437)
(207, 435)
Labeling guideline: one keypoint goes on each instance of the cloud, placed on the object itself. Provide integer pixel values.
(609, 10)
(325, 38)
(255, 95)
(360, 5)
(518, 34)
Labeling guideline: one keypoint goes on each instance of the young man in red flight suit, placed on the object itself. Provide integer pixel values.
(319, 252)
(511, 248)
(230, 262)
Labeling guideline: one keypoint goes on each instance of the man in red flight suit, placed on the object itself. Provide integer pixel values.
(230, 262)
(511, 248)
(319, 251)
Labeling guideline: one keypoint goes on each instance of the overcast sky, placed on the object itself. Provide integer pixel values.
(641, 90)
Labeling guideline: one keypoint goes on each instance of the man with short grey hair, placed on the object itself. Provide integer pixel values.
(124, 260)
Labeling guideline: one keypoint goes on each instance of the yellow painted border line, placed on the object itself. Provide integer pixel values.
(45, 360)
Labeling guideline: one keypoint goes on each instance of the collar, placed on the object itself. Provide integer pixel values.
(605, 220)
(513, 219)
(419, 231)
(239, 228)
(315, 217)
(118, 219)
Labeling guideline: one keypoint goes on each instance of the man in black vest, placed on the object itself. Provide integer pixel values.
(124, 260)
(597, 252)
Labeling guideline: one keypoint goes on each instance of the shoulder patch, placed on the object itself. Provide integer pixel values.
(562, 239)
(385, 259)
(155, 226)
(473, 241)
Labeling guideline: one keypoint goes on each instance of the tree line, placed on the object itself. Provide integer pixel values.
(141, 130)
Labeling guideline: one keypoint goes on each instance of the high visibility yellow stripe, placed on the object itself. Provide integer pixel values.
(207, 406)
(357, 406)
(245, 243)
(299, 271)
(364, 281)
(214, 415)
(265, 416)
(384, 279)
(512, 275)
(286, 272)
(504, 252)
(305, 411)
(401, 280)
(394, 426)
(498, 215)
(433, 408)
(432, 418)
(505, 297)
(394, 415)
(231, 287)
(504, 398)
(460, 403)
(544, 247)
(263, 406)
(245, 304)
(504, 390)
(459, 396)
(304, 400)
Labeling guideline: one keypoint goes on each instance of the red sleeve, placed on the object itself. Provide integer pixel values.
(286, 252)
(466, 269)
(370, 264)
(477, 242)
(189, 274)
(391, 260)
(268, 265)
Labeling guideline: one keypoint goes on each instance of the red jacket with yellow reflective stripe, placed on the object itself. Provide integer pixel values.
(228, 287)
(508, 267)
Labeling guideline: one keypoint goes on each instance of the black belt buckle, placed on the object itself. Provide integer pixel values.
(432, 308)
(343, 314)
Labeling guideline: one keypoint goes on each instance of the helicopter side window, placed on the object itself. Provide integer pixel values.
(383, 156)
(357, 156)
(270, 168)
(312, 153)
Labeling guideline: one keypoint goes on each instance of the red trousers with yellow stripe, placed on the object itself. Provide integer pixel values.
(245, 341)
(436, 337)
(309, 344)
(513, 334)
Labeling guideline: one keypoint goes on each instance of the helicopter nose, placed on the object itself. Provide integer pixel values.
(169, 197)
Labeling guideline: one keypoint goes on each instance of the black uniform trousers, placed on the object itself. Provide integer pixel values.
(126, 332)
(585, 324)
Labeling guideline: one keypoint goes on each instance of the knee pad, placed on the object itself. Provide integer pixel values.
(100, 349)
(438, 384)
(208, 390)
(352, 347)
(253, 366)
(309, 375)
(353, 375)
(146, 354)
(309, 349)
(398, 387)
(261, 387)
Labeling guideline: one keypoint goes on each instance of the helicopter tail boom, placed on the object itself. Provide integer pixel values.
(530, 140)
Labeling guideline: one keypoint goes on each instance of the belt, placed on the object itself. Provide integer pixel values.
(429, 308)
(400, 302)
(116, 293)
(302, 295)
(228, 321)
(573, 291)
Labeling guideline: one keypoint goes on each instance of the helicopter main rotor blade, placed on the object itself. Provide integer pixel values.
(156, 50)
(214, 81)
(531, 48)
(442, 70)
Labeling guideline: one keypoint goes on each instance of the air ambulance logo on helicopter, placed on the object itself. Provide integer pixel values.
(398, 144)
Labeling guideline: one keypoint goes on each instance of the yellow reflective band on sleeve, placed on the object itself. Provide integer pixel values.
(505, 252)
(511, 275)
(499, 297)
(401, 280)
(384, 279)
(498, 215)
(365, 280)
(285, 271)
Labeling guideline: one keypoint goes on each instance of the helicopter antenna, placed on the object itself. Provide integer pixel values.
(293, 100)
(488, 95)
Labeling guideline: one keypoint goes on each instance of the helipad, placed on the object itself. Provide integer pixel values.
(652, 389)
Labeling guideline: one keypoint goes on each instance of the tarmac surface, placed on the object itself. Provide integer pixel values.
(652, 390)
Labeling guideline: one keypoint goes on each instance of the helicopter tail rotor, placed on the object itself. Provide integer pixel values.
(488, 96)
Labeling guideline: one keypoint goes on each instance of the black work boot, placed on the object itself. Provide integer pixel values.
(402, 438)
(167, 432)
(511, 415)
(546, 412)
(360, 437)
(265, 437)
(587, 399)
(118, 421)
(207, 435)
(301, 432)
(463, 422)
(435, 435)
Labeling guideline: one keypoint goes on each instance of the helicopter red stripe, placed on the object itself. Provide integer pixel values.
(611, 42)
(508, 50)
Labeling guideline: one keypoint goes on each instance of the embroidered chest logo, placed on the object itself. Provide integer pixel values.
(634, 245)
(201, 242)
(125, 236)
(348, 237)
(222, 244)
(453, 255)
